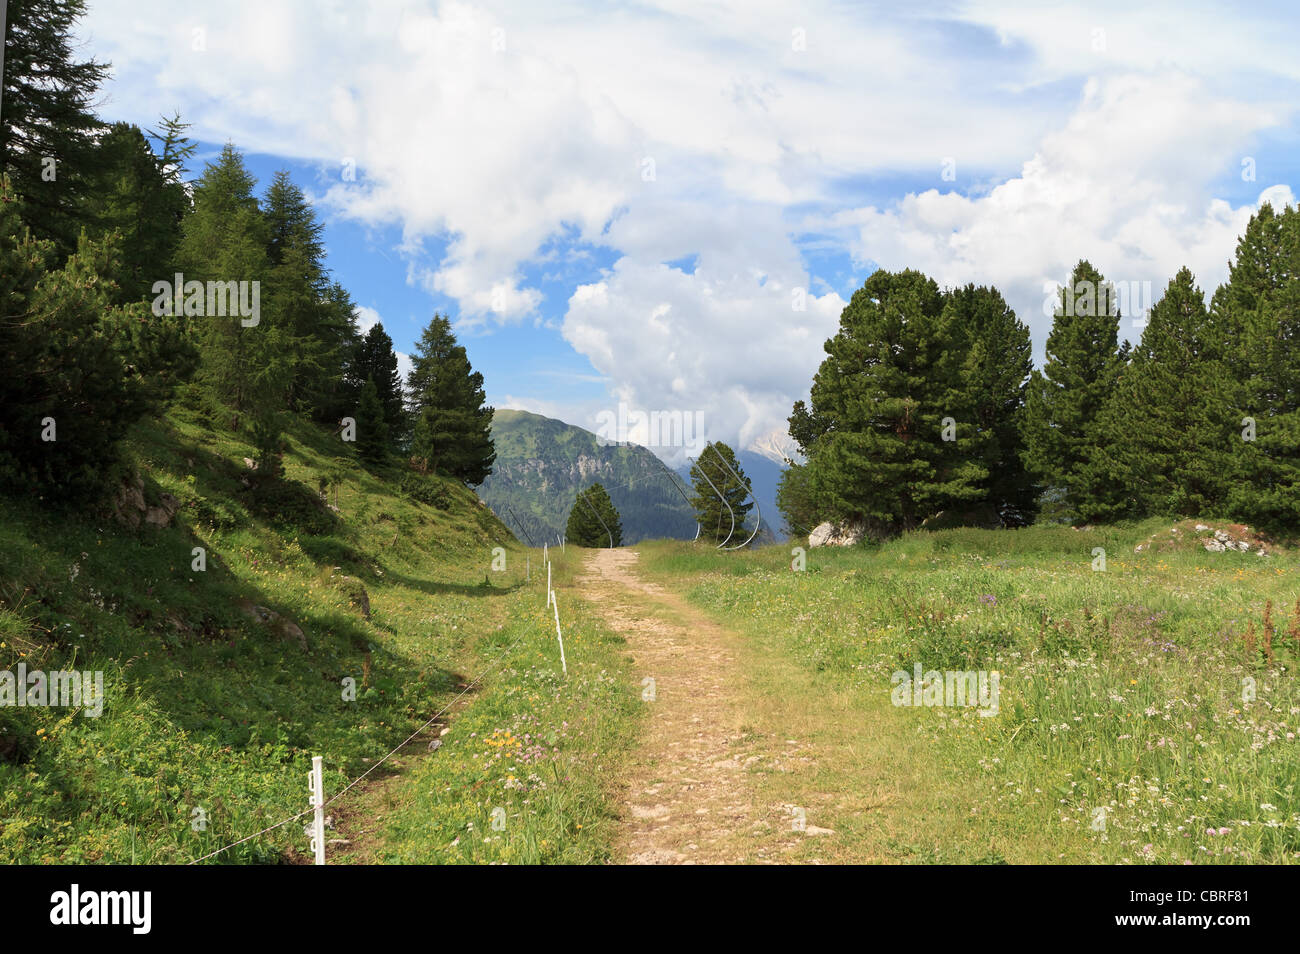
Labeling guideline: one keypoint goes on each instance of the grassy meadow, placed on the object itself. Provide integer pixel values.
(1147, 713)
(211, 717)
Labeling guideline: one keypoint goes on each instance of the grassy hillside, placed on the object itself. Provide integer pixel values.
(542, 463)
(1148, 712)
(214, 709)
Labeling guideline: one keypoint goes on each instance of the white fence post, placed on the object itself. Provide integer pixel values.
(550, 597)
(317, 790)
(528, 568)
(560, 636)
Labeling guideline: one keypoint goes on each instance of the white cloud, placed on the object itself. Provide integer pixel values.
(1122, 184)
(493, 127)
(367, 317)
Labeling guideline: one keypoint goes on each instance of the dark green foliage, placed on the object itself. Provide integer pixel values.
(1066, 397)
(1164, 439)
(994, 377)
(453, 426)
(593, 521)
(372, 429)
(139, 195)
(374, 359)
(426, 488)
(892, 435)
(48, 131)
(70, 356)
(717, 462)
(796, 500)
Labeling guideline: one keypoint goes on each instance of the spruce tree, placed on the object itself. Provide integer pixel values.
(372, 429)
(993, 378)
(373, 358)
(48, 129)
(1065, 398)
(1259, 312)
(718, 461)
(76, 369)
(593, 521)
(452, 426)
(1164, 436)
(249, 367)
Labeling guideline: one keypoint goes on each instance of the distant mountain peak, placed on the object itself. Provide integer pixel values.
(776, 446)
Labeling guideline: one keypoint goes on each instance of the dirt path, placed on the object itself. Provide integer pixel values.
(689, 799)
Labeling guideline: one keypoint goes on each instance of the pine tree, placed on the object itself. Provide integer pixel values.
(796, 501)
(1259, 313)
(372, 429)
(453, 427)
(718, 463)
(890, 436)
(373, 358)
(593, 521)
(76, 370)
(1065, 398)
(48, 129)
(1164, 436)
(994, 377)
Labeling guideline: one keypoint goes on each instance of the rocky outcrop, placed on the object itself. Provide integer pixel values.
(131, 508)
(833, 535)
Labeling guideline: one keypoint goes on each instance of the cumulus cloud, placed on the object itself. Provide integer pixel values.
(662, 130)
(1123, 184)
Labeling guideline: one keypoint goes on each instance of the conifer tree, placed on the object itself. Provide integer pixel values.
(593, 521)
(1065, 398)
(374, 359)
(889, 437)
(718, 461)
(48, 129)
(1164, 436)
(372, 429)
(452, 426)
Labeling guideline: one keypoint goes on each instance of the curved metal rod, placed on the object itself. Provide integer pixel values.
(597, 516)
(724, 503)
(521, 526)
(757, 509)
(672, 479)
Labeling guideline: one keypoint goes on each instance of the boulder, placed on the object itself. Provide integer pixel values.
(831, 535)
(283, 627)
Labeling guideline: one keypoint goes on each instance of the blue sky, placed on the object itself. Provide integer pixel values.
(666, 206)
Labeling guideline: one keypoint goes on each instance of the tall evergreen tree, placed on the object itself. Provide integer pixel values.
(48, 129)
(372, 429)
(593, 521)
(374, 359)
(1164, 436)
(994, 378)
(139, 195)
(717, 461)
(1259, 310)
(890, 435)
(225, 239)
(453, 426)
(1065, 398)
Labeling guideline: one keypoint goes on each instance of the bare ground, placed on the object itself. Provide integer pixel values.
(689, 796)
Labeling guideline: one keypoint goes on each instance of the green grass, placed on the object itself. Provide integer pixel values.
(208, 710)
(1125, 695)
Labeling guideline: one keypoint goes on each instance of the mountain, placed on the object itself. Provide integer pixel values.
(542, 463)
(777, 446)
